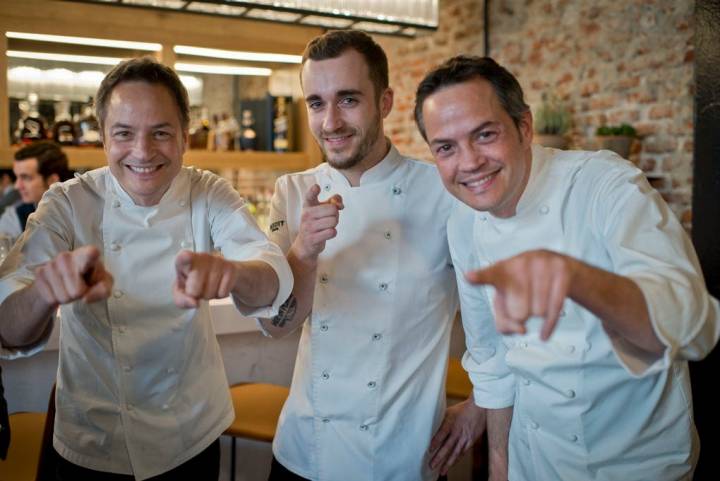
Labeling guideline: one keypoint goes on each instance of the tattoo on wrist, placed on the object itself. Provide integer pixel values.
(286, 312)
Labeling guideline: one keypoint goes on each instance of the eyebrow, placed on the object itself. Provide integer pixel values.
(339, 93)
(130, 127)
(474, 131)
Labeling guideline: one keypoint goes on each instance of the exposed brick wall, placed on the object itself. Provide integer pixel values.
(609, 62)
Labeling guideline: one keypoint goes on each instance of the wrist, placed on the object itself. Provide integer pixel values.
(307, 260)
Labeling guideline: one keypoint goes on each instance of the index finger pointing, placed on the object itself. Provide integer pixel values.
(480, 276)
(311, 196)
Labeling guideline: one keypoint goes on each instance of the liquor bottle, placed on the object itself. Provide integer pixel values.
(64, 128)
(280, 126)
(199, 132)
(33, 125)
(248, 136)
(88, 128)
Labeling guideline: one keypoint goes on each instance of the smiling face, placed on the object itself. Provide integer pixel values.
(483, 158)
(345, 115)
(143, 139)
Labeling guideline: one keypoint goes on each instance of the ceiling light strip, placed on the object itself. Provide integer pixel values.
(96, 42)
(222, 69)
(58, 57)
(237, 55)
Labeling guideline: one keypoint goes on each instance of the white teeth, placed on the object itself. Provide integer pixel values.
(142, 170)
(477, 182)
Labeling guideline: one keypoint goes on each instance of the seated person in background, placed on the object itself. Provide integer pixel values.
(8, 193)
(587, 267)
(128, 252)
(36, 167)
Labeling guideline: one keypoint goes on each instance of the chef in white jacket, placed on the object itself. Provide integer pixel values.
(589, 275)
(365, 236)
(131, 254)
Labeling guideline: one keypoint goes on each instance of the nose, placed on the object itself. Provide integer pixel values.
(471, 159)
(332, 121)
(143, 147)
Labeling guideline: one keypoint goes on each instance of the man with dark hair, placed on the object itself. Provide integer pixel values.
(589, 270)
(374, 294)
(36, 167)
(128, 254)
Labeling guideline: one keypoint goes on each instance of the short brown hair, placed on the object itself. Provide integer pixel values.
(335, 43)
(50, 158)
(462, 68)
(143, 69)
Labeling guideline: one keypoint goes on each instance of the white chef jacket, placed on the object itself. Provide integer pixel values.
(141, 387)
(368, 391)
(588, 406)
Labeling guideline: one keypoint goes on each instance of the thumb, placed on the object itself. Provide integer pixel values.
(311, 196)
(85, 258)
(337, 201)
(183, 262)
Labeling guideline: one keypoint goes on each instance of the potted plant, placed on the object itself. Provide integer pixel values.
(617, 138)
(552, 121)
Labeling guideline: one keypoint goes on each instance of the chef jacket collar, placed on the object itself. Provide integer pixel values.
(377, 173)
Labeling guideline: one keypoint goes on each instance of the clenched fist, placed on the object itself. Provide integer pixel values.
(74, 275)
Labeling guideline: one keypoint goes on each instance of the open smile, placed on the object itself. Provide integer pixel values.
(480, 183)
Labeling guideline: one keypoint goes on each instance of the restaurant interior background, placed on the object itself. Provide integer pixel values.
(605, 63)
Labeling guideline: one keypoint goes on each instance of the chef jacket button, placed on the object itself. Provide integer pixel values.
(383, 286)
(483, 218)
(325, 375)
(364, 427)
(588, 346)
(562, 313)
(570, 349)
(116, 203)
(114, 246)
(323, 327)
(117, 294)
(121, 329)
(396, 190)
(185, 244)
(326, 420)
(544, 209)
(377, 336)
(574, 438)
(323, 278)
(388, 235)
(523, 344)
(526, 382)
(570, 393)
(326, 187)
(371, 384)
(183, 203)
(534, 425)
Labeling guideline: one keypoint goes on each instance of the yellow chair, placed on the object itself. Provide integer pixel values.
(457, 384)
(25, 445)
(257, 409)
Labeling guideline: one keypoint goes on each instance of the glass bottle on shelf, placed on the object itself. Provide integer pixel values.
(33, 124)
(24, 108)
(280, 126)
(199, 132)
(64, 128)
(248, 136)
(88, 128)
